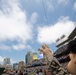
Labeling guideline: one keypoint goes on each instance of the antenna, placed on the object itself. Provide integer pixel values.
(45, 11)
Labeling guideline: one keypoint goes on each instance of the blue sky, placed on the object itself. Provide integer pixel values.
(24, 27)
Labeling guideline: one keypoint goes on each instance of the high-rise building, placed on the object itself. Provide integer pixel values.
(15, 66)
(6, 61)
(28, 57)
(32, 56)
(21, 65)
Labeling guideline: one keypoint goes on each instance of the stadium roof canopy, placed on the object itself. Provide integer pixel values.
(71, 36)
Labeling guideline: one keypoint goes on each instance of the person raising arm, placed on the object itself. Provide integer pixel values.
(54, 65)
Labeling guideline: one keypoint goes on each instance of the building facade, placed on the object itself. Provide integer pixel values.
(28, 57)
(6, 61)
(21, 65)
(15, 66)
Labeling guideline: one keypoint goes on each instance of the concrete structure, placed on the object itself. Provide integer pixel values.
(21, 65)
(32, 56)
(28, 57)
(6, 61)
(62, 53)
(15, 66)
(8, 67)
(63, 39)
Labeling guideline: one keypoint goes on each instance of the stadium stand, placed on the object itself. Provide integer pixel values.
(62, 52)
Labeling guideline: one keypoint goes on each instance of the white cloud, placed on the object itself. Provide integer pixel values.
(63, 1)
(13, 22)
(13, 61)
(34, 18)
(49, 34)
(1, 59)
(12, 46)
(29, 48)
(74, 7)
(19, 47)
(5, 47)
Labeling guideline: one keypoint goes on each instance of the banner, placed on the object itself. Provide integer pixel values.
(40, 56)
(35, 57)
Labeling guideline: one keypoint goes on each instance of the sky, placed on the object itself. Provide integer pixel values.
(27, 24)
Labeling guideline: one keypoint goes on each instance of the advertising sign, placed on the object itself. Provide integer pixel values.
(35, 57)
(40, 56)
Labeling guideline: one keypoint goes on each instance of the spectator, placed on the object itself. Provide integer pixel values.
(5, 72)
(25, 73)
(20, 72)
(40, 72)
(37, 73)
(54, 65)
(16, 73)
(45, 71)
